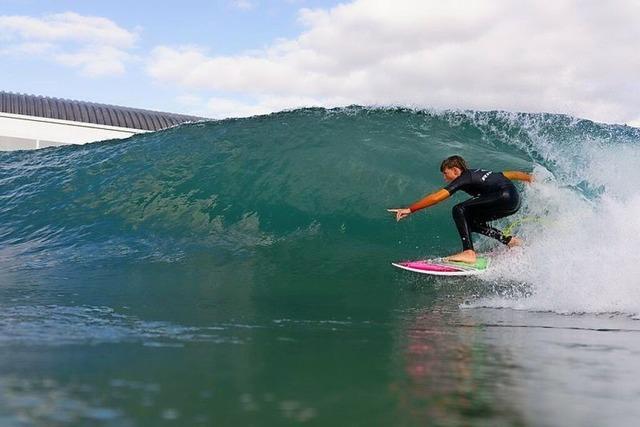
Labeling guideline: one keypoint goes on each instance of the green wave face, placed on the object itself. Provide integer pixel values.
(312, 183)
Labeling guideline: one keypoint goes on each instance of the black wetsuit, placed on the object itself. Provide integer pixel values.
(494, 196)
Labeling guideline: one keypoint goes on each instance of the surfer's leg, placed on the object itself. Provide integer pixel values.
(460, 217)
(472, 215)
(491, 207)
(486, 230)
(460, 214)
(479, 210)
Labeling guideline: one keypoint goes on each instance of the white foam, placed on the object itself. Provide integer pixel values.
(583, 256)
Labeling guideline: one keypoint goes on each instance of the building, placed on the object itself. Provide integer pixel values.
(29, 122)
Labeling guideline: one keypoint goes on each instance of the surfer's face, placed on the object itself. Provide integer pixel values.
(450, 174)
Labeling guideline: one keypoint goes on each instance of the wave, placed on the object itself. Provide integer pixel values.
(307, 189)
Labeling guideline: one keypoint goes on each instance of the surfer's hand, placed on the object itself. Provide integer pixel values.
(400, 213)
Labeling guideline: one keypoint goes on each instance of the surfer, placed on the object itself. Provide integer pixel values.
(494, 197)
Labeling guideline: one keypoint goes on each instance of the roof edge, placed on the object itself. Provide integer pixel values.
(90, 112)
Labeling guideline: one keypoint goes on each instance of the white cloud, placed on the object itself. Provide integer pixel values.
(219, 108)
(96, 61)
(29, 48)
(94, 45)
(566, 56)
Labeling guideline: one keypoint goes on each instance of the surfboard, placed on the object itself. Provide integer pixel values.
(441, 267)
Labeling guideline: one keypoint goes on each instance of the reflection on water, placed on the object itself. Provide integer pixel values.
(447, 372)
(475, 366)
(580, 369)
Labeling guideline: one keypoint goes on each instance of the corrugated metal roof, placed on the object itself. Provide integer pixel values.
(89, 112)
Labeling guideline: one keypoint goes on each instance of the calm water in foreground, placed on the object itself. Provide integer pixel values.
(196, 349)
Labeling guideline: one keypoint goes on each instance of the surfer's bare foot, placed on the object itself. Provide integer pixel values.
(514, 242)
(464, 256)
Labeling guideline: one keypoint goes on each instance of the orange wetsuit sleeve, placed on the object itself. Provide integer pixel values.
(430, 200)
(518, 176)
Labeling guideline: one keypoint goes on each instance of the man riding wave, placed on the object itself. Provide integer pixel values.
(494, 197)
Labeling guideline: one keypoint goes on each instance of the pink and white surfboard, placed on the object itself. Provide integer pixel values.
(440, 267)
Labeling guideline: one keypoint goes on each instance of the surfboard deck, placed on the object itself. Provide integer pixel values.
(441, 267)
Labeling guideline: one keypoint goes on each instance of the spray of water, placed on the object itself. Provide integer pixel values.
(581, 255)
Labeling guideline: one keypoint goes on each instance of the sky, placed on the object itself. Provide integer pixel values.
(230, 58)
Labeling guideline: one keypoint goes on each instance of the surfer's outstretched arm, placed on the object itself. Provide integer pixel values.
(429, 200)
(518, 176)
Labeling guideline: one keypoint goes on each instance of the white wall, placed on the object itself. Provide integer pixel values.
(19, 132)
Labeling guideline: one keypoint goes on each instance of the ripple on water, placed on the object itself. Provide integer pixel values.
(63, 325)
